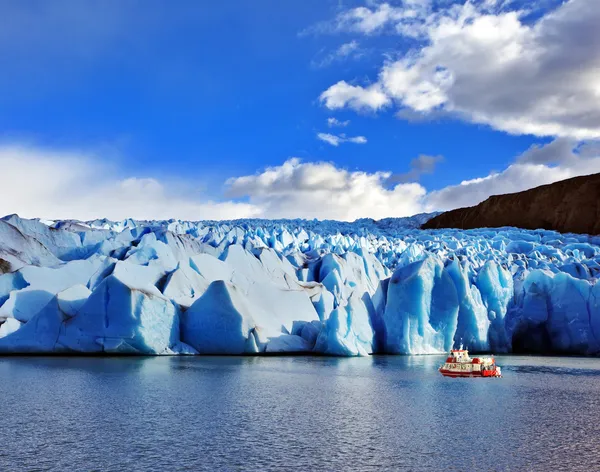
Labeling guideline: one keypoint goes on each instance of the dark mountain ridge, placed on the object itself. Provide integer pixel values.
(567, 206)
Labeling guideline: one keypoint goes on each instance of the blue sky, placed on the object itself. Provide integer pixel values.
(186, 97)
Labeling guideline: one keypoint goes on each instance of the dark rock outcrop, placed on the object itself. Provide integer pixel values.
(568, 206)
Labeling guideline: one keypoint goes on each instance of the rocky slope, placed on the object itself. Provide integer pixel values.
(568, 206)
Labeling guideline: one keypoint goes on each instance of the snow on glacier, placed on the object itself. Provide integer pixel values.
(294, 286)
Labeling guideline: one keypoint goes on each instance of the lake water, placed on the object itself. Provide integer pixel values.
(296, 413)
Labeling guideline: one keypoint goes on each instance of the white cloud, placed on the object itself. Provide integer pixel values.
(369, 21)
(357, 140)
(336, 140)
(486, 64)
(321, 190)
(333, 122)
(365, 20)
(58, 184)
(358, 98)
(61, 184)
(329, 138)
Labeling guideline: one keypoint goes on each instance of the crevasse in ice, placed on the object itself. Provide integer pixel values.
(294, 286)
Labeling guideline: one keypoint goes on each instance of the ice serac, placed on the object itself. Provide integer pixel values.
(184, 285)
(495, 285)
(555, 313)
(569, 322)
(347, 331)
(18, 250)
(39, 335)
(294, 286)
(119, 317)
(65, 245)
(473, 321)
(228, 319)
(41, 284)
(221, 322)
(11, 282)
(421, 309)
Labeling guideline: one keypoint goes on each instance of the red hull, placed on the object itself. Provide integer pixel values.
(449, 373)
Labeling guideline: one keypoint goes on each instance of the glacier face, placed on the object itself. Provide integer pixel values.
(262, 286)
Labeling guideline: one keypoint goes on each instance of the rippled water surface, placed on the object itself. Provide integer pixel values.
(296, 413)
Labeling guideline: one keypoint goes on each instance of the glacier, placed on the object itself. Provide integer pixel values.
(249, 287)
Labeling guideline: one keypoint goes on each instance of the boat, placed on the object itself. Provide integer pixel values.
(459, 364)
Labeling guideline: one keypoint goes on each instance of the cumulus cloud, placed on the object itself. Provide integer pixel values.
(54, 184)
(333, 122)
(485, 63)
(336, 140)
(322, 190)
(59, 184)
(356, 97)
